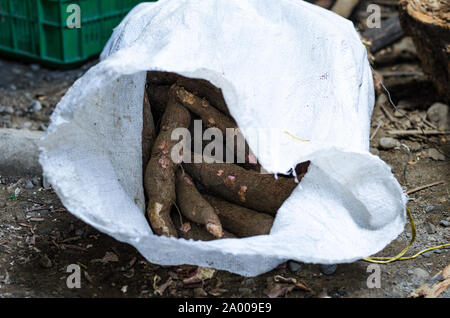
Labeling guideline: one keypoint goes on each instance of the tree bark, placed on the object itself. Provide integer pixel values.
(427, 23)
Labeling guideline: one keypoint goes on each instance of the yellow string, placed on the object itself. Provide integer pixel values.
(399, 256)
(295, 137)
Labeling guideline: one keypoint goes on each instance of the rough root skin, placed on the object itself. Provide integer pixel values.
(240, 221)
(248, 188)
(160, 173)
(193, 206)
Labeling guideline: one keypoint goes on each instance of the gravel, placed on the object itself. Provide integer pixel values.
(6, 110)
(294, 266)
(420, 274)
(438, 114)
(35, 106)
(29, 185)
(328, 269)
(387, 143)
(429, 228)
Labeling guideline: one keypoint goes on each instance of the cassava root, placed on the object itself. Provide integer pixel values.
(148, 131)
(240, 221)
(194, 207)
(248, 188)
(160, 173)
(200, 87)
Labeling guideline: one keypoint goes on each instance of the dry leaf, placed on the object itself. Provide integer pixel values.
(160, 290)
(109, 257)
(281, 279)
(201, 274)
(280, 290)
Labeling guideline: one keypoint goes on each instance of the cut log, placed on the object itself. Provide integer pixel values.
(427, 22)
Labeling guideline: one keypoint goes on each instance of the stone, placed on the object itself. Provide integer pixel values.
(35, 106)
(420, 274)
(415, 146)
(27, 124)
(36, 181)
(434, 154)
(35, 67)
(6, 110)
(328, 269)
(429, 228)
(444, 223)
(387, 143)
(29, 185)
(294, 266)
(374, 151)
(438, 114)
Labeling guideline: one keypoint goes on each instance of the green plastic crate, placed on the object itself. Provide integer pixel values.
(36, 30)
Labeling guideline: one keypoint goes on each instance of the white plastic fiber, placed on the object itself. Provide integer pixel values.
(286, 68)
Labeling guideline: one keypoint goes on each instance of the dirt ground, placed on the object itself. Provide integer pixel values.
(39, 238)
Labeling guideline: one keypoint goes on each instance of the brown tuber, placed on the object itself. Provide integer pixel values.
(196, 232)
(160, 173)
(193, 206)
(240, 221)
(148, 131)
(248, 188)
(200, 87)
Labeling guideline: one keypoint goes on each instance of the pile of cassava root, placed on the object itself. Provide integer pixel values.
(219, 200)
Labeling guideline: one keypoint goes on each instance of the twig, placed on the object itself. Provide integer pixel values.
(424, 187)
(391, 118)
(75, 247)
(388, 114)
(386, 2)
(417, 132)
(42, 207)
(380, 124)
(401, 73)
(427, 122)
(406, 164)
